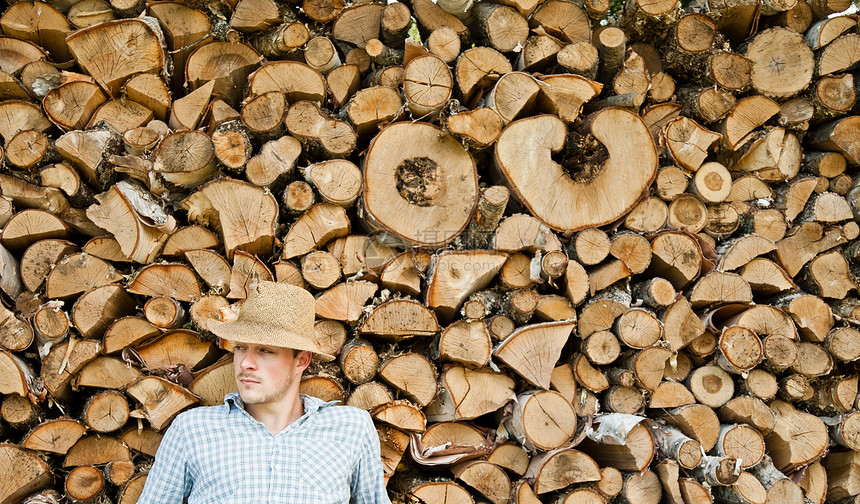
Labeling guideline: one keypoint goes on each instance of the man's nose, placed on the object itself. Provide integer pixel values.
(248, 361)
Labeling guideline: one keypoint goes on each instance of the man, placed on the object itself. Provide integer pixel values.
(267, 443)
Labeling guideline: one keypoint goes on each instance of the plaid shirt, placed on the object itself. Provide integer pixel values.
(222, 455)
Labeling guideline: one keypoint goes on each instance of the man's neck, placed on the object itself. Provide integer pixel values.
(277, 416)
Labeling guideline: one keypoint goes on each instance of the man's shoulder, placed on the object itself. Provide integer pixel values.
(349, 415)
(200, 415)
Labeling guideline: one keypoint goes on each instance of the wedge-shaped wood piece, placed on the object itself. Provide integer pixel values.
(29, 226)
(17, 116)
(177, 281)
(121, 115)
(127, 331)
(212, 268)
(88, 150)
(55, 436)
(401, 414)
(839, 56)
(560, 468)
(532, 351)
(106, 372)
(522, 232)
(486, 478)
(345, 301)
(411, 373)
(135, 218)
(63, 362)
(423, 190)
(718, 288)
(102, 51)
(441, 491)
(25, 473)
(400, 318)
(97, 308)
(105, 247)
(177, 347)
(530, 142)
(564, 95)
(696, 421)
(798, 438)
(213, 382)
(748, 410)
(72, 104)
(432, 17)
(296, 80)
(247, 270)
(151, 92)
(16, 377)
(16, 333)
(96, 450)
(228, 64)
(454, 276)
(671, 395)
(143, 440)
(688, 142)
(748, 114)
(188, 238)
(313, 229)
(479, 127)
(160, 400)
(620, 441)
(465, 393)
(445, 443)
(766, 277)
(466, 341)
(829, 275)
(187, 112)
(244, 214)
(587, 376)
(77, 273)
(743, 250)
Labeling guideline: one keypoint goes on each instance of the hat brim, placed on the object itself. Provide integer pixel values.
(239, 331)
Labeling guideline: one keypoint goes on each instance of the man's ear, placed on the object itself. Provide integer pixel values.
(303, 360)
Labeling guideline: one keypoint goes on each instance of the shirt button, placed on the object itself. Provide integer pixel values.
(278, 467)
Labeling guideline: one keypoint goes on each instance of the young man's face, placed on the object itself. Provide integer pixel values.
(266, 375)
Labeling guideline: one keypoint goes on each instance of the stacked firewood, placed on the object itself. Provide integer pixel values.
(564, 253)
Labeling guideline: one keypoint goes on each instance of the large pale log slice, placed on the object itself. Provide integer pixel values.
(557, 196)
(419, 184)
(114, 51)
(532, 351)
(24, 473)
(781, 61)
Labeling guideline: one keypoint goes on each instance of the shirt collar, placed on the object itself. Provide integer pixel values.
(310, 403)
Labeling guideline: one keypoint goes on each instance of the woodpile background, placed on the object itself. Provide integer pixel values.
(567, 252)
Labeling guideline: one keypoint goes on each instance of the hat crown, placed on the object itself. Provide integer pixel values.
(274, 314)
(280, 306)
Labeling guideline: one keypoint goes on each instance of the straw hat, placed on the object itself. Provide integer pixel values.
(275, 314)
